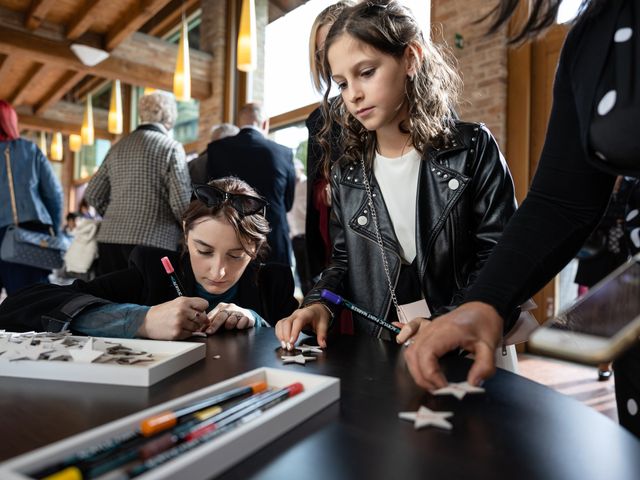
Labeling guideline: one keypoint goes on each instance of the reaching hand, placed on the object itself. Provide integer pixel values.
(230, 316)
(476, 327)
(288, 329)
(174, 320)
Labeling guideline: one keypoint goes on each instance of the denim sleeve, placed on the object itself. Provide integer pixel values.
(118, 320)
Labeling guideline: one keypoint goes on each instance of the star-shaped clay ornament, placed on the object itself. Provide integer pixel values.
(425, 417)
(300, 359)
(86, 354)
(458, 390)
(308, 348)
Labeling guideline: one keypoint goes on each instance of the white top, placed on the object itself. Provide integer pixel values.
(398, 180)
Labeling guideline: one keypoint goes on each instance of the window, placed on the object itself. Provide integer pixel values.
(287, 77)
(295, 137)
(89, 158)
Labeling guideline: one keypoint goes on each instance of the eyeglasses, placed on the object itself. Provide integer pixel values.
(214, 197)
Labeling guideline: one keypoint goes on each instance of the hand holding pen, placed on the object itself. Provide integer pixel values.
(177, 319)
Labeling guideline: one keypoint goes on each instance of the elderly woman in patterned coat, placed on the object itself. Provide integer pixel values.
(142, 187)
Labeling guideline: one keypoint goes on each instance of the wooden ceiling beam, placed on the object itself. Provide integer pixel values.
(33, 74)
(142, 69)
(32, 122)
(87, 86)
(37, 13)
(7, 62)
(138, 16)
(62, 86)
(84, 20)
(63, 117)
(169, 17)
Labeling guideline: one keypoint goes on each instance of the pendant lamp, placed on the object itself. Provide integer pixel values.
(75, 142)
(247, 38)
(182, 74)
(115, 109)
(56, 147)
(87, 131)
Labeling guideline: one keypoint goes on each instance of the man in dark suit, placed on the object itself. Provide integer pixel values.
(265, 165)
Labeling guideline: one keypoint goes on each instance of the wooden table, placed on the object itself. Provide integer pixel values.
(518, 429)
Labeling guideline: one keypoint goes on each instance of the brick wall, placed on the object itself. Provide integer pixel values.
(212, 40)
(482, 61)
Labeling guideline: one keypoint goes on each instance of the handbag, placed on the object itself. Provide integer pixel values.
(26, 247)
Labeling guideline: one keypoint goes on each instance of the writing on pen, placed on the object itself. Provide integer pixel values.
(338, 300)
(166, 263)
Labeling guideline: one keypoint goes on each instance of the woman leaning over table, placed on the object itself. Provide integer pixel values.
(224, 284)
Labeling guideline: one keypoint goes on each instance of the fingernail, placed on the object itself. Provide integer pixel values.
(284, 345)
(288, 346)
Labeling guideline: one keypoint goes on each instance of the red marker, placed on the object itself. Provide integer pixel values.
(172, 275)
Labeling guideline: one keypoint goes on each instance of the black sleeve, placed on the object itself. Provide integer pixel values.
(44, 307)
(493, 203)
(276, 285)
(566, 200)
(333, 277)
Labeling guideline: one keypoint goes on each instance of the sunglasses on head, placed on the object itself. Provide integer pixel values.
(214, 197)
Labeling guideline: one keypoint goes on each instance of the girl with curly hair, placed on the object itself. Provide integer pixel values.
(419, 198)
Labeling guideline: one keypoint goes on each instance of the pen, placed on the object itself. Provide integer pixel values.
(180, 439)
(190, 415)
(169, 419)
(172, 275)
(338, 300)
(211, 429)
(166, 263)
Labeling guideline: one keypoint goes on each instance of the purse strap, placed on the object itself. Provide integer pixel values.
(14, 210)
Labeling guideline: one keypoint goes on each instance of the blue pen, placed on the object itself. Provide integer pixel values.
(338, 300)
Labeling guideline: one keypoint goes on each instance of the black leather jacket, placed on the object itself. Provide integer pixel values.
(465, 199)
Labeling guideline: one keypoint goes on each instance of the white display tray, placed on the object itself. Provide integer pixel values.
(210, 458)
(169, 358)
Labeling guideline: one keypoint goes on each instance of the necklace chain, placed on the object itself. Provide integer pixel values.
(385, 263)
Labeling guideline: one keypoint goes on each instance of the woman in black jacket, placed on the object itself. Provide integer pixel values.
(221, 283)
(591, 137)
